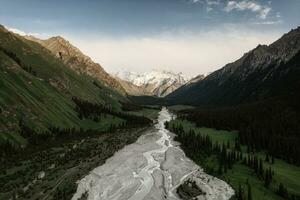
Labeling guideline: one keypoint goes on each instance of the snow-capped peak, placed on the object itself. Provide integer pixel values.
(159, 82)
(153, 77)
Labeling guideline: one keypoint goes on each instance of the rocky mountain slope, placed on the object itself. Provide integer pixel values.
(153, 83)
(77, 61)
(257, 75)
(196, 79)
(37, 89)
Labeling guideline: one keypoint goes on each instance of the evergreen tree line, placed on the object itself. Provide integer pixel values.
(265, 126)
(262, 172)
(198, 146)
(56, 133)
(242, 195)
(88, 110)
(7, 148)
(14, 57)
(85, 110)
(283, 192)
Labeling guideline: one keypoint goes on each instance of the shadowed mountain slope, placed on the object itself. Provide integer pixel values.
(259, 74)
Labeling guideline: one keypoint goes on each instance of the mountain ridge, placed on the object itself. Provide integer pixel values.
(234, 83)
(39, 89)
(78, 61)
(153, 83)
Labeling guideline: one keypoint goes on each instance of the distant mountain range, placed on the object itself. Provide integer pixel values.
(154, 83)
(264, 72)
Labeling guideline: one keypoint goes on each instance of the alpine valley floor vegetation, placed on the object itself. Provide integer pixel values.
(49, 170)
(253, 174)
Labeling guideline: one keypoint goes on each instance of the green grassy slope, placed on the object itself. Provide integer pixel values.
(36, 87)
(285, 173)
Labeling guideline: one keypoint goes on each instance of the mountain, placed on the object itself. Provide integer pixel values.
(132, 89)
(196, 79)
(38, 89)
(153, 83)
(264, 72)
(77, 61)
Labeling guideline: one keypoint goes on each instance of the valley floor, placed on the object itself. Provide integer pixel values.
(151, 168)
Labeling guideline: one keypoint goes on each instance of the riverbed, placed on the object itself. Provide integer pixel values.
(151, 168)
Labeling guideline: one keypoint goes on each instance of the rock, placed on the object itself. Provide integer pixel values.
(52, 166)
(189, 190)
(41, 175)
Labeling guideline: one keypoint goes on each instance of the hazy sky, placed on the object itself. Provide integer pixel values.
(191, 36)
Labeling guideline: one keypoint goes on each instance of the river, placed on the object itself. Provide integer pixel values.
(151, 168)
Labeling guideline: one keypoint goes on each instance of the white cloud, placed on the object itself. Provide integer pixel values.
(268, 22)
(17, 31)
(191, 53)
(208, 2)
(253, 6)
(213, 2)
(23, 33)
(208, 9)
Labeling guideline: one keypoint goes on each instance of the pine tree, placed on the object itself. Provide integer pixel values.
(267, 159)
(261, 169)
(273, 160)
(240, 194)
(249, 192)
(282, 191)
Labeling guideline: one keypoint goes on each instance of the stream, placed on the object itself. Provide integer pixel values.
(151, 168)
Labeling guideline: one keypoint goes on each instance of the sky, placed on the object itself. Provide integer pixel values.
(189, 36)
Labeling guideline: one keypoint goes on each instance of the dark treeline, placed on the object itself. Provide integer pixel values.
(85, 110)
(241, 193)
(283, 192)
(8, 148)
(14, 57)
(128, 106)
(267, 126)
(90, 110)
(199, 147)
(56, 133)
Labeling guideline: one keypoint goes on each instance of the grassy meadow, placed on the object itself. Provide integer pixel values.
(285, 173)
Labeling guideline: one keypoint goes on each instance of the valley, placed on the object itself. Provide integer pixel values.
(151, 168)
(70, 130)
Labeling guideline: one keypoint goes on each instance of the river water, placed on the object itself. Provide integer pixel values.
(151, 168)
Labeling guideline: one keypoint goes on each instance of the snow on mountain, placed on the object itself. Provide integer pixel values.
(157, 82)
